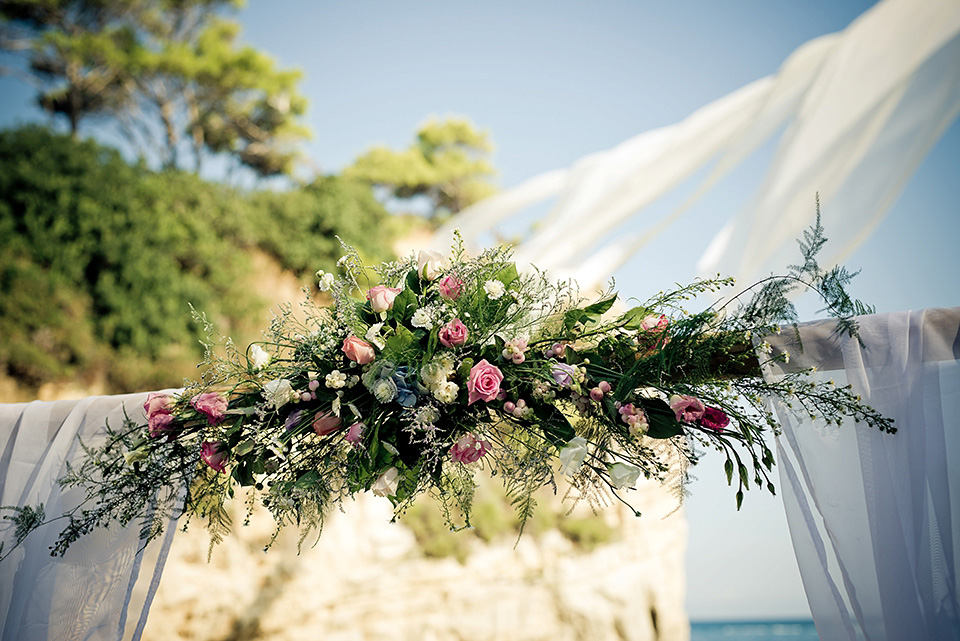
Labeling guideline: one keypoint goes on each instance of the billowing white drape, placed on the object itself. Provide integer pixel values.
(102, 588)
(875, 518)
(859, 110)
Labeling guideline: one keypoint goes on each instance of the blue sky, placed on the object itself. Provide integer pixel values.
(554, 81)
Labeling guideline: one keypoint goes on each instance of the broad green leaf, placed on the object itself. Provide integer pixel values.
(555, 425)
(663, 422)
(633, 318)
(403, 306)
(508, 274)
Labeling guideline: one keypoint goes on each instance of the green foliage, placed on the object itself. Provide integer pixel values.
(300, 228)
(770, 303)
(447, 164)
(99, 260)
(164, 71)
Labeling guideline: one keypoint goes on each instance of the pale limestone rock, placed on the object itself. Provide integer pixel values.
(366, 579)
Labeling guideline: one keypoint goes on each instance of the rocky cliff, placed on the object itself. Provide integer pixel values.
(369, 579)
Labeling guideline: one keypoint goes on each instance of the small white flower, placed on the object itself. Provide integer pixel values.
(259, 357)
(373, 335)
(422, 319)
(623, 475)
(326, 281)
(786, 357)
(386, 484)
(494, 288)
(427, 416)
(765, 347)
(336, 379)
(446, 392)
(572, 455)
(342, 260)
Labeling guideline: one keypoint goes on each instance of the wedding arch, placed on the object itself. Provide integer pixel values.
(877, 547)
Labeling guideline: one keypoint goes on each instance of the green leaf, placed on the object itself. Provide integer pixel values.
(307, 479)
(663, 422)
(728, 468)
(400, 344)
(589, 314)
(508, 274)
(744, 475)
(403, 306)
(601, 306)
(633, 318)
(555, 425)
(413, 282)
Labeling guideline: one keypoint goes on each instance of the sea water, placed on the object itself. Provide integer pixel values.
(782, 630)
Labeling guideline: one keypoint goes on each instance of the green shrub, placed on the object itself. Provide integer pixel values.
(100, 259)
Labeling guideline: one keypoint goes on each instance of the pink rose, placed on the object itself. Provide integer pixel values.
(381, 297)
(453, 334)
(653, 334)
(326, 423)
(159, 409)
(158, 403)
(358, 350)
(654, 323)
(355, 433)
(211, 405)
(160, 424)
(714, 419)
(687, 408)
(469, 449)
(450, 287)
(484, 382)
(214, 455)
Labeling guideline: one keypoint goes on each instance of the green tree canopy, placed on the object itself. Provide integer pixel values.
(448, 164)
(170, 72)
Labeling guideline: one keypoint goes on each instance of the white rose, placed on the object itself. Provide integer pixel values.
(279, 392)
(386, 484)
(259, 357)
(623, 475)
(494, 288)
(373, 335)
(572, 455)
(421, 318)
(431, 264)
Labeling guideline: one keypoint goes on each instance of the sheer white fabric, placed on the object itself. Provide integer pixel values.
(859, 110)
(875, 518)
(102, 588)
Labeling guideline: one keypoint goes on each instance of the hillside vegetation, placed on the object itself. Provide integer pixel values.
(100, 259)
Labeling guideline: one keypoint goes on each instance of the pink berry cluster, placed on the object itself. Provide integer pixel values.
(514, 351)
(520, 409)
(556, 350)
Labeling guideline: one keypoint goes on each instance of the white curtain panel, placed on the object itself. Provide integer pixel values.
(875, 518)
(102, 588)
(859, 110)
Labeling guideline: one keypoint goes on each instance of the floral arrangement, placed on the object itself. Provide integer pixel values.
(424, 370)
